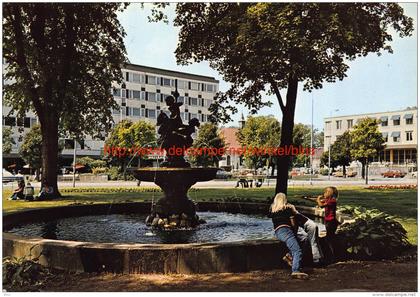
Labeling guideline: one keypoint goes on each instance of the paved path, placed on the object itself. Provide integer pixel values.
(230, 184)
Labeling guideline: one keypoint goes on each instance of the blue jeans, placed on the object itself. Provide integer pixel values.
(310, 231)
(286, 235)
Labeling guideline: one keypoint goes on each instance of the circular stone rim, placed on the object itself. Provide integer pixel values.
(128, 258)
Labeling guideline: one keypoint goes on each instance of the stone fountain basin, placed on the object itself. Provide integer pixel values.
(211, 257)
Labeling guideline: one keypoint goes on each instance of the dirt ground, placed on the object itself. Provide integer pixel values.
(383, 276)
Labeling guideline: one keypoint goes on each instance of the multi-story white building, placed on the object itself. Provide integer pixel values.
(140, 97)
(399, 129)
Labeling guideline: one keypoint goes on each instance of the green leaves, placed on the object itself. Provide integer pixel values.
(258, 47)
(373, 234)
(366, 140)
(8, 140)
(208, 137)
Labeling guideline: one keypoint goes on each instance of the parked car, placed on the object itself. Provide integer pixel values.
(8, 177)
(222, 174)
(348, 174)
(393, 173)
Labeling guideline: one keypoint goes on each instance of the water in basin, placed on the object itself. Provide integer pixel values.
(130, 228)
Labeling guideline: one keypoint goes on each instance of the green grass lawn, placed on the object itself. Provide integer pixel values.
(399, 203)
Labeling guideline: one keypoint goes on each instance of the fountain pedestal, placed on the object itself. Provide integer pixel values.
(175, 209)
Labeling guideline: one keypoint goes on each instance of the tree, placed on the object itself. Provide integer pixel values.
(258, 133)
(126, 136)
(340, 152)
(318, 138)
(31, 149)
(61, 60)
(269, 47)
(367, 142)
(8, 140)
(208, 137)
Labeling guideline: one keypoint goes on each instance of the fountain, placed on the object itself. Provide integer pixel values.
(175, 177)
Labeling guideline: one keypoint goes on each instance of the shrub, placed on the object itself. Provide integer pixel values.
(323, 171)
(22, 274)
(113, 173)
(99, 170)
(372, 235)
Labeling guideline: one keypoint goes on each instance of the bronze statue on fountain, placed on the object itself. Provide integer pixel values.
(175, 176)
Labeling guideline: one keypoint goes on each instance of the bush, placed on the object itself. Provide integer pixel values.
(99, 170)
(113, 173)
(372, 235)
(323, 171)
(22, 274)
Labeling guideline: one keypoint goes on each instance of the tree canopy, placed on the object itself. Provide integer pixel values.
(259, 132)
(208, 137)
(61, 60)
(266, 47)
(8, 140)
(128, 135)
(340, 152)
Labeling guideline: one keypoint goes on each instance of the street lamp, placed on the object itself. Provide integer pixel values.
(329, 145)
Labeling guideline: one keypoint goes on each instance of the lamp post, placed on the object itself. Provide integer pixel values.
(329, 145)
(312, 140)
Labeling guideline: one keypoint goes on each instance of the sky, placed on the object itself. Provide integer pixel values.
(373, 84)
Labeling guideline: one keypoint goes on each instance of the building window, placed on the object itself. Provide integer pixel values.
(395, 136)
(180, 99)
(136, 95)
(194, 101)
(115, 111)
(33, 121)
(151, 80)
(116, 92)
(166, 82)
(151, 96)
(27, 122)
(408, 119)
(194, 86)
(409, 135)
(385, 136)
(396, 120)
(10, 121)
(338, 124)
(182, 84)
(152, 113)
(384, 121)
(349, 124)
(137, 78)
(136, 112)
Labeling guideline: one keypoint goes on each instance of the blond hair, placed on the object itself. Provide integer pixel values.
(279, 203)
(330, 192)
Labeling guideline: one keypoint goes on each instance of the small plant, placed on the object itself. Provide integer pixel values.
(23, 274)
(372, 235)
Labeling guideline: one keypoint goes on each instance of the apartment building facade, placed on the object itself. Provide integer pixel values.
(398, 128)
(141, 96)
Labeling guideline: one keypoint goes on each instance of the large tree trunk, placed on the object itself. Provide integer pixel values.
(49, 130)
(287, 124)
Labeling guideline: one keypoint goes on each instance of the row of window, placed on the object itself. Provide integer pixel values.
(25, 122)
(396, 136)
(168, 82)
(400, 156)
(159, 97)
(153, 113)
(383, 120)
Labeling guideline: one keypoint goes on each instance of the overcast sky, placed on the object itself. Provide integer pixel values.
(374, 84)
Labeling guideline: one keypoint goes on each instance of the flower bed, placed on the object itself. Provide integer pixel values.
(391, 187)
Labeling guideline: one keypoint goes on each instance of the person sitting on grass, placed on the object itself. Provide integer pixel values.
(282, 215)
(18, 192)
(45, 192)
